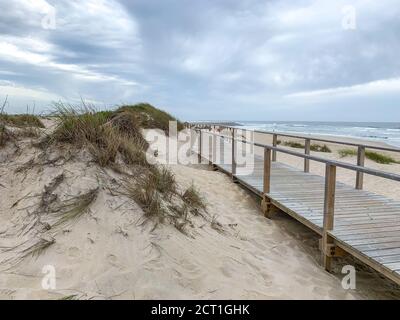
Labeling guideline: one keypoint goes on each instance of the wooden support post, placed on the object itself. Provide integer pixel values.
(199, 153)
(307, 149)
(214, 149)
(233, 153)
(267, 170)
(210, 148)
(216, 155)
(266, 203)
(360, 162)
(274, 143)
(329, 210)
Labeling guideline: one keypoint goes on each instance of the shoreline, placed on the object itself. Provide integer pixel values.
(328, 136)
(338, 138)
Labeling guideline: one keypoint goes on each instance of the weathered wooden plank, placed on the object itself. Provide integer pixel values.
(368, 236)
(388, 259)
(371, 224)
(377, 246)
(382, 252)
(377, 229)
(393, 265)
(373, 241)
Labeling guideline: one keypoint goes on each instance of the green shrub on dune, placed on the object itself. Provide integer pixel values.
(374, 156)
(380, 158)
(151, 117)
(347, 153)
(313, 147)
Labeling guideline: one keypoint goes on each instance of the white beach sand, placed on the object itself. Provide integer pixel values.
(109, 253)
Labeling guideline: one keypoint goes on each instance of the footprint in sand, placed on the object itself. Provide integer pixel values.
(113, 260)
(73, 252)
(320, 291)
(190, 267)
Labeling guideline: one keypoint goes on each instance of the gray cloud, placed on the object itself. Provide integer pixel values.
(207, 59)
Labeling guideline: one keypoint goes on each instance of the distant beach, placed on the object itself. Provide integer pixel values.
(387, 132)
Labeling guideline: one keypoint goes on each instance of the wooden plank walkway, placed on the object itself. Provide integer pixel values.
(365, 225)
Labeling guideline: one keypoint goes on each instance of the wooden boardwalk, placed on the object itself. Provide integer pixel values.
(364, 224)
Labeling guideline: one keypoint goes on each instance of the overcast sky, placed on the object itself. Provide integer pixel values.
(208, 59)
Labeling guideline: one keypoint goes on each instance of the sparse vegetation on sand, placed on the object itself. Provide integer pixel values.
(5, 135)
(320, 148)
(193, 198)
(374, 156)
(21, 120)
(313, 147)
(380, 158)
(293, 144)
(27, 124)
(347, 153)
(159, 195)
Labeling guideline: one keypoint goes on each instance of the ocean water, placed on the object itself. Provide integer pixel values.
(388, 132)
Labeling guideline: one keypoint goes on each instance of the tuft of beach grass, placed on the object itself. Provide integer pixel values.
(374, 156)
(313, 147)
(193, 199)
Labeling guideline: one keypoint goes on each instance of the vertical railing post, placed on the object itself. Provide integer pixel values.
(360, 162)
(274, 143)
(233, 153)
(307, 148)
(266, 202)
(199, 153)
(214, 149)
(329, 210)
(267, 171)
(209, 147)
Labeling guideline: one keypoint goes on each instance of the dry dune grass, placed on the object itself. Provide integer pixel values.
(24, 125)
(22, 120)
(5, 135)
(114, 140)
(110, 136)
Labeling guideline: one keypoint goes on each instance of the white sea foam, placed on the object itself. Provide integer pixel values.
(373, 131)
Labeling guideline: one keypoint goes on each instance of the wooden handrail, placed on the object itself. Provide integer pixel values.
(307, 146)
(374, 172)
